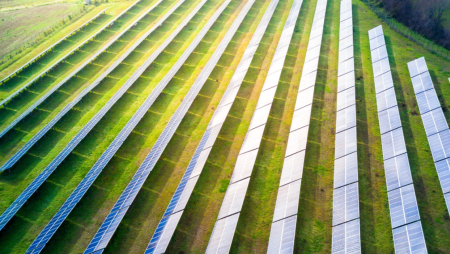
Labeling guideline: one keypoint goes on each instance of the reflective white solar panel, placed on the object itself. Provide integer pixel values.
(314, 42)
(345, 54)
(381, 67)
(307, 80)
(346, 23)
(345, 143)
(346, 81)
(311, 54)
(222, 235)
(201, 161)
(220, 115)
(315, 33)
(403, 206)
(434, 121)
(346, 67)
(287, 200)
(417, 66)
(345, 98)
(346, 238)
(319, 14)
(167, 233)
(378, 54)
(427, 101)
(318, 24)
(266, 97)
(229, 97)
(345, 6)
(398, 172)
(234, 198)
(260, 116)
(346, 42)
(282, 236)
(311, 66)
(297, 141)
(386, 99)
(346, 118)
(252, 139)
(345, 204)
(443, 170)
(213, 135)
(346, 15)
(301, 118)
(185, 195)
(292, 168)
(422, 82)
(389, 119)
(375, 32)
(409, 239)
(377, 42)
(345, 170)
(345, 32)
(383, 82)
(304, 98)
(447, 200)
(393, 143)
(244, 166)
(440, 145)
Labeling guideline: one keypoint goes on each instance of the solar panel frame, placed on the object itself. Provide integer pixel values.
(376, 32)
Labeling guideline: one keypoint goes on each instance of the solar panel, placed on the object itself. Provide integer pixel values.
(301, 118)
(307, 81)
(345, 32)
(260, 116)
(346, 81)
(443, 170)
(403, 206)
(244, 166)
(389, 119)
(311, 54)
(292, 168)
(229, 97)
(346, 118)
(200, 162)
(287, 200)
(384, 82)
(315, 42)
(234, 198)
(311, 66)
(346, 238)
(393, 143)
(346, 67)
(427, 101)
(222, 235)
(376, 32)
(345, 204)
(417, 67)
(378, 54)
(282, 236)
(345, 54)
(422, 82)
(434, 121)
(345, 98)
(266, 97)
(398, 172)
(346, 23)
(386, 99)
(345, 143)
(252, 139)
(165, 234)
(440, 145)
(346, 42)
(409, 239)
(377, 42)
(220, 114)
(297, 141)
(447, 200)
(304, 98)
(381, 67)
(345, 170)
(345, 16)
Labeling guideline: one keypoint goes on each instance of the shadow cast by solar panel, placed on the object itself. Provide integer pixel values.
(36, 118)
(13, 233)
(45, 145)
(20, 170)
(437, 87)
(9, 141)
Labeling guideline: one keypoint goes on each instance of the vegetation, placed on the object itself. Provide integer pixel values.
(313, 233)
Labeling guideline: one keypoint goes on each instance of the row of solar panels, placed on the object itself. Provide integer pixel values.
(16, 72)
(43, 176)
(23, 88)
(434, 121)
(130, 193)
(225, 226)
(19, 154)
(346, 228)
(166, 227)
(282, 233)
(404, 212)
(112, 221)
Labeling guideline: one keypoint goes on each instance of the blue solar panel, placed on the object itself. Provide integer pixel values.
(410, 239)
(403, 206)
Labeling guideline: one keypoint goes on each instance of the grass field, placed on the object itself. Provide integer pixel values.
(313, 232)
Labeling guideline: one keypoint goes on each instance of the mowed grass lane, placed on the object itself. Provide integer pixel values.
(26, 98)
(35, 121)
(13, 184)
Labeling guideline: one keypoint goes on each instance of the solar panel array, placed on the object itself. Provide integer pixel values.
(23, 88)
(225, 226)
(13, 160)
(167, 225)
(434, 121)
(404, 212)
(112, 221)
(42, 177)
(52, 46)
(282, 232)
(346, 225)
